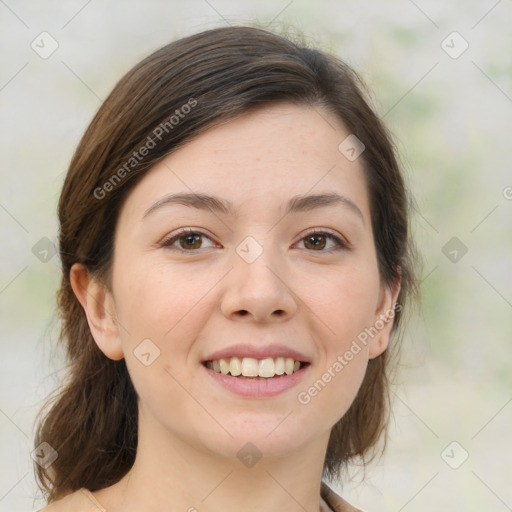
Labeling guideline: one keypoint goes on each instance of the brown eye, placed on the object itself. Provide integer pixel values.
(318, 241)
(186, 241)
(315, 241)
(190, 241)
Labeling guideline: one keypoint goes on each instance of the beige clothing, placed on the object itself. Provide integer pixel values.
(84, 501)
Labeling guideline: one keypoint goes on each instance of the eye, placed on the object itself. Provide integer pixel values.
(318, 241)
(188, 240)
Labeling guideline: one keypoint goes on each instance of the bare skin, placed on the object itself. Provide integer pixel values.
(198, 295)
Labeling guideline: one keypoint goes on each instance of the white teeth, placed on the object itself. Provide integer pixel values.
(267, 368)
(224, 366)
(280, 366)
(235, 366)
(251, 367)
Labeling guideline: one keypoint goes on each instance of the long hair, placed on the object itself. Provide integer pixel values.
(167, 99)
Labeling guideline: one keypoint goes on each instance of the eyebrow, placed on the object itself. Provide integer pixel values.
(296, 204)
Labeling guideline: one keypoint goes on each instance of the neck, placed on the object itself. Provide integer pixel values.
(169, 475)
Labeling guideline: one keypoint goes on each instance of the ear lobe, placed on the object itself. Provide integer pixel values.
(384, 319)
(99, 307)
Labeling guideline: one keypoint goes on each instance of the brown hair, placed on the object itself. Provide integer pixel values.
(219, 74)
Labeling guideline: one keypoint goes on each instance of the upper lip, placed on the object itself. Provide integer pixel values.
(257, 352)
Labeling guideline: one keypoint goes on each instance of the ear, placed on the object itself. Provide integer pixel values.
(99, 307)
(384, 318)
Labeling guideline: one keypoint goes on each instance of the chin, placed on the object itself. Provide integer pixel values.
(257, 434)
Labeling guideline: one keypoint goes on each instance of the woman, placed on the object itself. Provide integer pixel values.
(236, 257)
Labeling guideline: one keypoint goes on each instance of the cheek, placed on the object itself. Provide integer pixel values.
(157, 304)
(346, 302)
(331, 391)
(161, 313)
(345, 309)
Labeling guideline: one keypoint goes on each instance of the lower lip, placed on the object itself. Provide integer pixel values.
(258, 387)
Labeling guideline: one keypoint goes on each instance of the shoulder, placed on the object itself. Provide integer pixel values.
(334, 502)
(78, 501)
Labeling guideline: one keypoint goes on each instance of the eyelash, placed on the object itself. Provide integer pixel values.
(168, 242)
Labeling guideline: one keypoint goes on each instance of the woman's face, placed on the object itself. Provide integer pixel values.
(278, 263)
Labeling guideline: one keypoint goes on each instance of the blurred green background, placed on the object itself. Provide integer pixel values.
(450, 110)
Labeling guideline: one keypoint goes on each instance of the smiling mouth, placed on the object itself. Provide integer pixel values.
(249, 367)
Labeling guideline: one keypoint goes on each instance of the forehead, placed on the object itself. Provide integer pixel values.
(259, 160)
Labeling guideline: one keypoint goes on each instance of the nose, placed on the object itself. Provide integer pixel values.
(260, 290)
